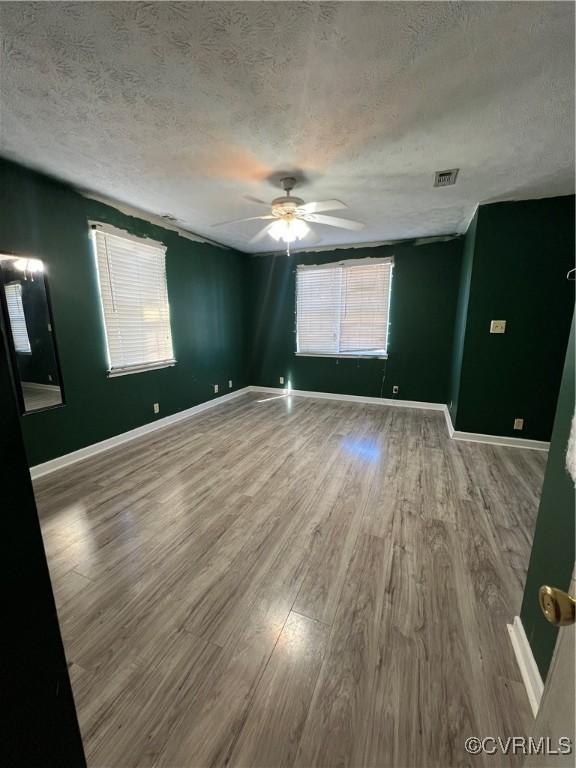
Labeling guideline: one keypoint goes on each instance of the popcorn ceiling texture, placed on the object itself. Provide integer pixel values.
(185, 108)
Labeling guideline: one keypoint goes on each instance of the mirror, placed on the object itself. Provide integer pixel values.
(30, 332)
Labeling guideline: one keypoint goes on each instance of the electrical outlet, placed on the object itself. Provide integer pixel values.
(156, 407)
(395, 389)
(215, 389)
(498, 326)
(229, 383)
(281, 379)
(519, 424)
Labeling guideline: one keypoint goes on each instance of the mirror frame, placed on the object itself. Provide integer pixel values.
(10, 341)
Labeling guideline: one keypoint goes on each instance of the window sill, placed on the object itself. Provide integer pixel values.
(114, 372)
(374, 356)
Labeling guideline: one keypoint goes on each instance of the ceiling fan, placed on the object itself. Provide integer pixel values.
(290, 217)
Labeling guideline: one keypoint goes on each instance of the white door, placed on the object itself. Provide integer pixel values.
(555, 718)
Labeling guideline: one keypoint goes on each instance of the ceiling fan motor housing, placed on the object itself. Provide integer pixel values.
(282, 206)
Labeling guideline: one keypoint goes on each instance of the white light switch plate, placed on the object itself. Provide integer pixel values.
(498, 326)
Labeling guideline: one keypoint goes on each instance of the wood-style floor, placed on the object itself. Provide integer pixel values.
(283, 581)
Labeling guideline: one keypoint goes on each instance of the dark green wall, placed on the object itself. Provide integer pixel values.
(424, 297)
(552, 557)
(522, 253)
(207, 293)
(233, 318)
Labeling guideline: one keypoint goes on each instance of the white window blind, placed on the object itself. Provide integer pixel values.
(18, 327)
(132, 275)
(342, 308)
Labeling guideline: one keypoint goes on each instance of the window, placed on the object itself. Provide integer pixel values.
(18, 327)
(342, 308)
(132, 275)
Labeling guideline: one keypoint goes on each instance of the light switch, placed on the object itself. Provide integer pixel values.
(498, 326)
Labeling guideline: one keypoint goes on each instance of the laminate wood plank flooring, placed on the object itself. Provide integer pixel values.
(284, 581)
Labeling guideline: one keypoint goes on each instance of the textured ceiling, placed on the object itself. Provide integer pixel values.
(185, 108)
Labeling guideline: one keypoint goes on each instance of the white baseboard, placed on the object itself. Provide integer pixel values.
(448, 418)
(39, 470)
(353, 398)
(90, 450)
(527, 664)
(474, 437)
(477, 437)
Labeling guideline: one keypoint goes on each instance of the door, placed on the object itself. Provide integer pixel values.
(555, 718)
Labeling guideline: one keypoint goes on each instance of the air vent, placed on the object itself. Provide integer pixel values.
(445, 178)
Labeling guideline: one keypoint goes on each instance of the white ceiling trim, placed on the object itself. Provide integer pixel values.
(151, 218)
(360, 246)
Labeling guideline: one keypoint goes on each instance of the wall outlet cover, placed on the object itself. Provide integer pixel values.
(395, 389)
(215, 389)
(518, 423)
(229, 383)
(156, 407)
(498, 326)
(281, 379)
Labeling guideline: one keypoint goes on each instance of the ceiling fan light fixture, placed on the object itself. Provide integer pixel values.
(290, 217)
(288, 229)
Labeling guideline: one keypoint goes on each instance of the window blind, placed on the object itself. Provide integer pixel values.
(13, 292)
(132, 276)
(343, 308)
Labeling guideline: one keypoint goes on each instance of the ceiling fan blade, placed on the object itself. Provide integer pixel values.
(238, 221)
(333, 221)
(255, 200)
(322, 205)
(261, 235)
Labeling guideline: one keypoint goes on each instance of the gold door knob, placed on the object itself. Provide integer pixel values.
(557, 606)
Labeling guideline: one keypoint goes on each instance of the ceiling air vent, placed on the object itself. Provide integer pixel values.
(445, 178)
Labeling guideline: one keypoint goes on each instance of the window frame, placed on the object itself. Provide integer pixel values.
(372, 355)
(126, 370)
